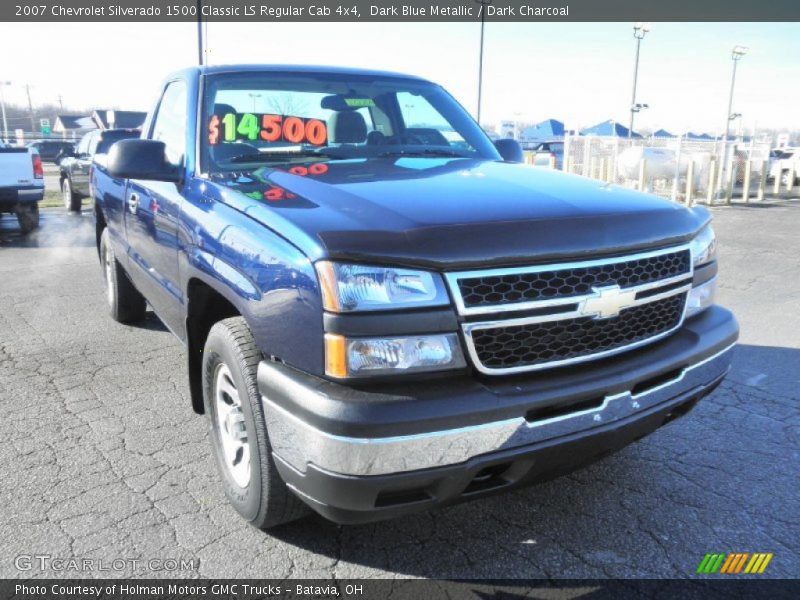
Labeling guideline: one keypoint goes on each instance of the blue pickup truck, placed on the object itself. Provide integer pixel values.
(383, 312)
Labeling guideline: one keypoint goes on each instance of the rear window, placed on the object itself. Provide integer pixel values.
(108, 138)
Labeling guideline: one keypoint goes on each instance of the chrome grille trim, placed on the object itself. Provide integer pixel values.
(469, 327)
(454, 277)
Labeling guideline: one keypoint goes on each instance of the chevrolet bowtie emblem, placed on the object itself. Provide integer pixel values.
(607, 302)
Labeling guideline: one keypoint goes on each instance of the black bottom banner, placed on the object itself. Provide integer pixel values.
(402, 589)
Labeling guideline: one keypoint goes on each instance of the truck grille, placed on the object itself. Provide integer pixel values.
(546, 316)
(540, 343)
(493, 290)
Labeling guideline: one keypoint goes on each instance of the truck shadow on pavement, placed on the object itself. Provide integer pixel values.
(643, 512)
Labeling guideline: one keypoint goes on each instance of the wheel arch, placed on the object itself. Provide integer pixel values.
(205, 306)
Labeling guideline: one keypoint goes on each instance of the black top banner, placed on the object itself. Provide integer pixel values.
(398, 10)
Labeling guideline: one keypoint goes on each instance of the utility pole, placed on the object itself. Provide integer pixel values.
(30, 107)
(484, 4)
(60, 103)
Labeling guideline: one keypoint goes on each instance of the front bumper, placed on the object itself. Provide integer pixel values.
(357, 455)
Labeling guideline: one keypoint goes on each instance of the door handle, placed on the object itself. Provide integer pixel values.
(133, 202)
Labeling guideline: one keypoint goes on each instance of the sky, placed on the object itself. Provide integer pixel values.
(580, 73)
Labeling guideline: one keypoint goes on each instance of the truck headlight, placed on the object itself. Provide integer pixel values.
(354, 357)
(704, 247)
(704, 251)
(349, 288)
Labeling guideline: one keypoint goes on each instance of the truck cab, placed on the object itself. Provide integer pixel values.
(383, 311)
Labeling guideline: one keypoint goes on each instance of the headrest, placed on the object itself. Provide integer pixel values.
(347, 128)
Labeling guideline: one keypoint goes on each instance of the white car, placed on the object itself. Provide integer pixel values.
(21, 185)
(784, 160)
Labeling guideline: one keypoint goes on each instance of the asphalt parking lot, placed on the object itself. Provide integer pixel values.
(103, 457)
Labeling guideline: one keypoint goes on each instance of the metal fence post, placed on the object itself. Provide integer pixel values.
(712, 182)
(746, 184)
(690, 184)
(642, 171)
(729, 184)
(762, 183)
(586, 153)
(776, 188)
(677, 174)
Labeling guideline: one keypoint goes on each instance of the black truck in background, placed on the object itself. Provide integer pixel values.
(75, 166)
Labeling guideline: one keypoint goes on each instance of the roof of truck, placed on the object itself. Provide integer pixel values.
(302, 69)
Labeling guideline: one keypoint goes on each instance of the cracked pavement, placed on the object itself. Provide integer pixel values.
(103, 457)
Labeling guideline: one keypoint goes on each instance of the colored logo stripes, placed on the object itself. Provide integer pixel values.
(734, 563)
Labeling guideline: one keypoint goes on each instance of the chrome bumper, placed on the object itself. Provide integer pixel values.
(298, 443)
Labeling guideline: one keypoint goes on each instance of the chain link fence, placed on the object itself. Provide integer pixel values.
(683, 169)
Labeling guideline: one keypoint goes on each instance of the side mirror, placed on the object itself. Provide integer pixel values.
(141, 159)
(510, 150)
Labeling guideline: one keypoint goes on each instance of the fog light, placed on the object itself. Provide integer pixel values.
(355, 357)
(701, 297)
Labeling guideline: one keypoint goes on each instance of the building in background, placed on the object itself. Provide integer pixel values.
(73, 126)
(118, 119)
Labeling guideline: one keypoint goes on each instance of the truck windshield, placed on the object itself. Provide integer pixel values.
(260, 118)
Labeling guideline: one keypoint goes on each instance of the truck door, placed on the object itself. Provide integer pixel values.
(152, 212)
(79, 170)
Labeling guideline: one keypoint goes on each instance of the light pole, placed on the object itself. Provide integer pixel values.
(726, 167)
(199, 8)
(639, 31)
(254, 96)
(484, 4)
(736, 55)
(3, 105)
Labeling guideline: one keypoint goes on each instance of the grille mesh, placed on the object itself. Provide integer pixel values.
(526, 287)
(540, 343)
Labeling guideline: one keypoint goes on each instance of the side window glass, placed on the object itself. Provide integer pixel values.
(93, 145)
(170, 122)
(83, 145)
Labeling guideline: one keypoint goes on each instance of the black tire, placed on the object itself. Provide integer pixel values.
(264, 500)
(72, 201)
(126, 304)
(27, 217)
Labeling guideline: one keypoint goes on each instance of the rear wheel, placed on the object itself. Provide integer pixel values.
(27, 217)
(238, 429)
(125, 303)
(72, 202)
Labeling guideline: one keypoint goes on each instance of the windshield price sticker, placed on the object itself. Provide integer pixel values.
(232, 127)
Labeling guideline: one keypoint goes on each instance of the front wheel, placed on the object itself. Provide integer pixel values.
(125, 303)
(72, 202)
(27, 217)
(238, 430)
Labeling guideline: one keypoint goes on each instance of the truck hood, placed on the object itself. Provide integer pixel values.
(453, 213)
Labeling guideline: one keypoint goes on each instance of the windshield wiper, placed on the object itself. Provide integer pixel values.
(280, 156)
(425, 152)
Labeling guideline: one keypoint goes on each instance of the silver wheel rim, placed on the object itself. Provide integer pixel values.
(108, 262)
(231, 426)
(67, 193)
